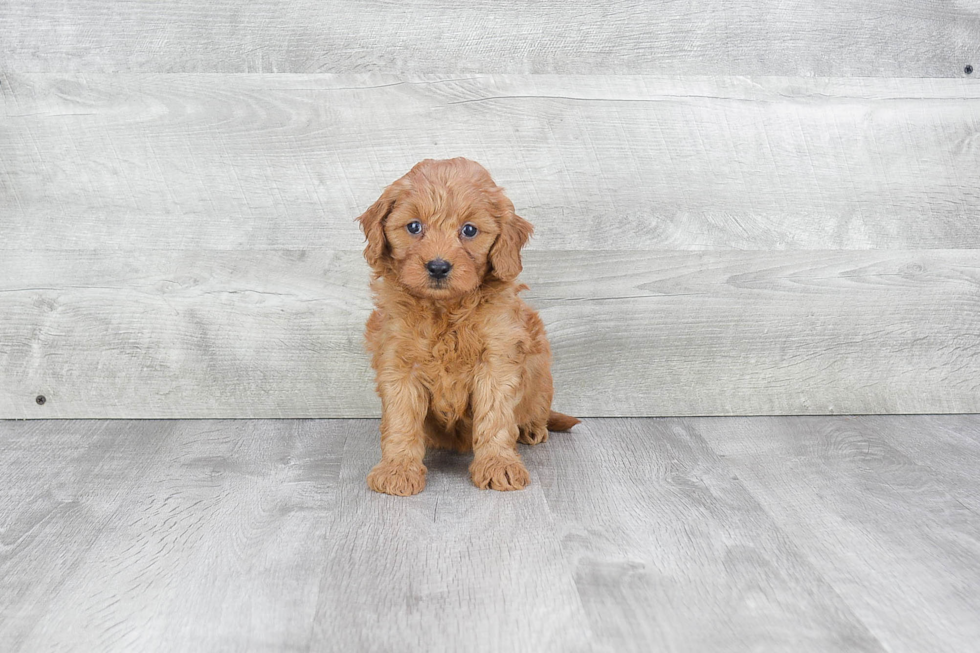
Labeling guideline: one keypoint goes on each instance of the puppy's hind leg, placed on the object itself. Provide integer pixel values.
(532, 413)
(533, 433)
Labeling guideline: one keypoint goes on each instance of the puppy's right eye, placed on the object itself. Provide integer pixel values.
(414, 227)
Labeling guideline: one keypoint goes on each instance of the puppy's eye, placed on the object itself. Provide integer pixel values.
(469, 230)
(414, 227)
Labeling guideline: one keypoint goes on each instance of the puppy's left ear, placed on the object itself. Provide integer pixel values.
(505, 253)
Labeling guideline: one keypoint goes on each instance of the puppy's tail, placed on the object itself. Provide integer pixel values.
(559, 422)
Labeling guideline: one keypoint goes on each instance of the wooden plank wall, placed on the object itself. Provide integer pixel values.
(746, 209)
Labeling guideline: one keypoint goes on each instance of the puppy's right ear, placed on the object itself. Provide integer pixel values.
(373, 225)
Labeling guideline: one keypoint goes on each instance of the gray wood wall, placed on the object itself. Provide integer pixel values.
(761, 208)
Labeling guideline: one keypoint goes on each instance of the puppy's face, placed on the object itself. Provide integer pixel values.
(442, 229)
(439, 246)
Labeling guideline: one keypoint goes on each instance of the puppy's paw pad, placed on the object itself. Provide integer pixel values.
(533, 434)
(499, 474)
(399, 480)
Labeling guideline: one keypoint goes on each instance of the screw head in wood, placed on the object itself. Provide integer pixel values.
(968, 70)
(40, 399)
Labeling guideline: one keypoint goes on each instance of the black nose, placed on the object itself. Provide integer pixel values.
(438, 268)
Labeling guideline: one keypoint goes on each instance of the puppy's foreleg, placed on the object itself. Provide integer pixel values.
(404, 403)
(496, 463)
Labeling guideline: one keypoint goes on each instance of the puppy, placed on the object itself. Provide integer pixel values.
(461, 361)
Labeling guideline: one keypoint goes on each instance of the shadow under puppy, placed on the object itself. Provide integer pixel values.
(461, 361)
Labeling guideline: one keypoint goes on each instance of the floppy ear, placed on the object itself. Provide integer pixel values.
(373, 225)
(505, 253)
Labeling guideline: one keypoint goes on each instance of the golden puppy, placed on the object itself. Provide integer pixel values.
(461, 361)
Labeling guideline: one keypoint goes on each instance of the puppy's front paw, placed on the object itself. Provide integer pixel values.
(499, 473)
(533, 434)
(401, 480)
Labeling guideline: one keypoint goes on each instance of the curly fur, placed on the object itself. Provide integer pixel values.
(461, 363)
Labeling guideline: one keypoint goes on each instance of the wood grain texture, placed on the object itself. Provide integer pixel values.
(452, 569)
(949, 452)
(845, 37)
(683, 534)
(123, 536)
(671, 553)
(62, 483)
(889, 534)
(279, 333)
(621, 162)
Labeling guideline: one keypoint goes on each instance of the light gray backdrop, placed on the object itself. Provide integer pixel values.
(761, 208)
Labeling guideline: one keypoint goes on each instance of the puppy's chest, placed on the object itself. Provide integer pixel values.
(445, 361)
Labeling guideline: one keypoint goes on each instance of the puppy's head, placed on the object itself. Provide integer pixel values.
(443, 229)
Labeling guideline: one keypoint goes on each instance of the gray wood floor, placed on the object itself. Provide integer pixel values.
(684, 534)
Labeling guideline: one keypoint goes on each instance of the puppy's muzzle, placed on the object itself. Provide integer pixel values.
(438, 268)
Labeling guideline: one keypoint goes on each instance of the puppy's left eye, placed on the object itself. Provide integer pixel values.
(469, 230)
